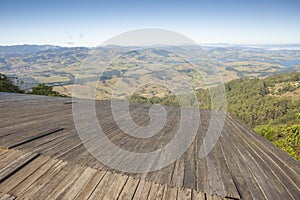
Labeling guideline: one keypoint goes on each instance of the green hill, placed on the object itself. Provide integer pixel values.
(269, 105)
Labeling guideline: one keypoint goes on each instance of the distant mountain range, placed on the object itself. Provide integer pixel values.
(58, 66)
(28, 48)
(25, 49)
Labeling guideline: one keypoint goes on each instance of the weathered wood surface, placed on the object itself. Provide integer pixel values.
(15, 165)
(6, 197)
(48, 178)
(242, 165)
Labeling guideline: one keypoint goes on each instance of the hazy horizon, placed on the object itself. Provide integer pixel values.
(200, 44)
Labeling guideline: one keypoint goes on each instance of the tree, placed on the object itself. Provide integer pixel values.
(43, 89)
(6, 85)
(298, 116)
(266, 131)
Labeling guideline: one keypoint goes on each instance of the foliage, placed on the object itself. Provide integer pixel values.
(282, 144)
(7, 85)
(293, 137)
(285, 137)
(298, 116)
(266, 131)
(43, 89)
(247, 99)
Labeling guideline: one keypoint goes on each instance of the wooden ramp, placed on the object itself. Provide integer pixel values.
(46, 158)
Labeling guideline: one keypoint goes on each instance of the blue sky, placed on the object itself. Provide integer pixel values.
(90, 22)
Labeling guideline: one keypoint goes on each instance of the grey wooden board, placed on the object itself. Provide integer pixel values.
(34, 137)
(6, 197)
(16, 165)
(129, 189)
(243, 164)
(13, 181)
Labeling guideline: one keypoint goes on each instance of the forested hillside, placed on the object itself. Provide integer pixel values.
(269, 105)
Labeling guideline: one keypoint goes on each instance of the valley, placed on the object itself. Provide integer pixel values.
(59, 66)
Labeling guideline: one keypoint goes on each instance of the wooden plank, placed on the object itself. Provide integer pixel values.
(83, 158)
(78, 184)
(276, 153)
(142, 190)
(214, 197)
(139, 189)
(227, 149)
(56, 189)
(103, 186)
(164, 175)
(21, 130)
(201, 166)
(26, 118)
(214, 178)
(160, 191)
(6, 197)
(129, 189)
(262, 175)
(170, 193)
(27, 126)
(48, 185)
(25, 184)
(198, 195)
(260, 169)
(45, 145)
(12, 182)
(124, 141)
(8, 157)
(64, 147)
(242, 159)
(73, 153)
(153, 191)
(286, 179)
(284, 184)
(91, 161)
(184, 193)
(229, 186)
(209, 197)
(90, 186)
(246, 182)
(34, 137)
(3, 152)
(142, 146)
(15, 165)
(35, 144)
(178, 174)
(39, 179)
(202, 175)
(115, 188)
(49, 148)
(189, 180)
(117, 155)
